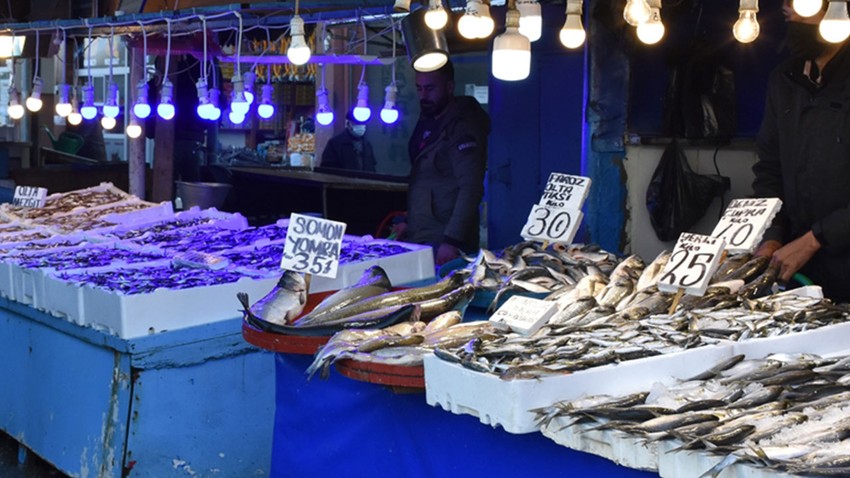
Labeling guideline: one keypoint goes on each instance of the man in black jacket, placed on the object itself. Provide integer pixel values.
(448, 155)
(350, 149)
(804, 159)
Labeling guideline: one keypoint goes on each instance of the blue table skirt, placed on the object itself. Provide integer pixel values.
(342, 427)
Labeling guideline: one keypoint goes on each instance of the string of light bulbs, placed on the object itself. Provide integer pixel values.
(389, 113)
(361, 111)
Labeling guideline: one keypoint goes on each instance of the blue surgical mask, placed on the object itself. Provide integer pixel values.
(358, 130)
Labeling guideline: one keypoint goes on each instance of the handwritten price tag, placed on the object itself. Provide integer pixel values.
(29, 196)
(550, 224)
(313, 245)
(693, 262)
(564, 191)
(524, 315)
(744, 222)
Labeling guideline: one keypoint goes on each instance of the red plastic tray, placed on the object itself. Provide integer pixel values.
(291, 344)
(383, 374)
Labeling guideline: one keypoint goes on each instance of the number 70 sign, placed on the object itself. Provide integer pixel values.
(692, 264)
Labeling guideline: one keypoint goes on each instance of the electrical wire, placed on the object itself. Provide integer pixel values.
(144, 53)
(111, 53)
(88, 47)
(37, 57)
(167, 50)
(365, 52)
(204, 32)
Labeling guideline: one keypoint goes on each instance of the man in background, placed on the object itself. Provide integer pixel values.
(350, 149)
(804, 159)
(448, 155)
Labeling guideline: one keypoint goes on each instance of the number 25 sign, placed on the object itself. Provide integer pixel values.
(693, 262)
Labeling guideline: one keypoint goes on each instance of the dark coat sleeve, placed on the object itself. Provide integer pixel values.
(468, 151)
(768, 168)
(330, 156)
(369, 162)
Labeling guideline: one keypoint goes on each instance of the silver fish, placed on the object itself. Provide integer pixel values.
(374, 281)
(282, 305)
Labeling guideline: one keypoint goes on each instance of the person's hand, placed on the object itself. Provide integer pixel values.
(446, 252)
(767, 248)
(791, 257)
(398, 231)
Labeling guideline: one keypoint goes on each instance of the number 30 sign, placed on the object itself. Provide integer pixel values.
(692, 264)
(551, 224)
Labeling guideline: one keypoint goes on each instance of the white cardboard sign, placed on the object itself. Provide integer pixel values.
(313, 245)
(524, 315)
(29, 196)
(692, 264)
(551, 224)
(565, 191)
(744, 222)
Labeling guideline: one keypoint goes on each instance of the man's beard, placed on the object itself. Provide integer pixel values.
(429, 108)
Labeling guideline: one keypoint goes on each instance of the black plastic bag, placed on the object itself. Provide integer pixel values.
(677, 197)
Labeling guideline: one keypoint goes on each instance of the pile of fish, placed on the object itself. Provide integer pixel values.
(369, 304)
(607, 318)
(788, 412)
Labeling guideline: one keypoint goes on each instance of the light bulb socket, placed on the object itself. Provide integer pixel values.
(296, 26)
(749, 6)
(63, 91)
(36, 87)
(214, 93)
(267, 93)
(248, 79)
(363, 95)
(401, 6)
(574, 7)
(391, 95)
(14, 98)
(88, 95)
(166, 92)
(142, 92)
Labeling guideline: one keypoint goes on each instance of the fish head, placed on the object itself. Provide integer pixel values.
(293, 281)
(377, 276)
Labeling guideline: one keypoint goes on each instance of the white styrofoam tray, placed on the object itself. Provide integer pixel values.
(621, 448)
(507, 403)
(695, 462)
(138, 315)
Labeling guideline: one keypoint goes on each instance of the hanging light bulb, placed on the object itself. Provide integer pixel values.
(238, 104)
(265, 109)
(436, 16)
(248, 86)
(235, 117)
(362, 112)
(636, 12)
(389, 113)
(134, 129)
(324, 113)
(110, 108)
(34, 102)
(215, 111)
(572, 34)
(165, 108)
(63, 107)
(806, 8)
(486, 25)
(467, 26)
(107, 122)
(835, 26)
(530, 19)
(74, 118)
(651, 31)
(142, 109)
(89, 111)
(204, 107)
(746, 29)
(511, 51)
(298, 51)
(16, 109)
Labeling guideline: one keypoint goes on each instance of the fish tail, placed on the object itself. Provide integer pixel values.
(715, 470)
(246, 304)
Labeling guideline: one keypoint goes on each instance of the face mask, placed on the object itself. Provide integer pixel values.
(804, 41)
(358, 130)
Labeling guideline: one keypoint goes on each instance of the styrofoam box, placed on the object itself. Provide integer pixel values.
(507, 403)
(825, 341)
(63, 299)
(695, 462)
(138, 315)
(622, 448)
(6, 281)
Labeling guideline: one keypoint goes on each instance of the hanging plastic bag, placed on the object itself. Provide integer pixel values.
(677, 197)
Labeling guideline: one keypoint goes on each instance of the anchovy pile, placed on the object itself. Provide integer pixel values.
(788, 412)
(608, 318)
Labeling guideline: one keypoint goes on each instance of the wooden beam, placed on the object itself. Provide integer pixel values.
(163, 164)
(137, 165)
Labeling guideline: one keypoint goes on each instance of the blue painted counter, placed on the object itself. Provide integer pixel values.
(191, 402)
(341, 427)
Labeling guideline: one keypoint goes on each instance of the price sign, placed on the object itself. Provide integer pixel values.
(312, 245)
(565, 191)
(29, 196)
(693, 262)
(524, 315)
(550, 224)
(744, 222)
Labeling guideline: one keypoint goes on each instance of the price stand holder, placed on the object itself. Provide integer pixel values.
(691, 266)
(313, 245)
(29, 196)
(524, 315)
(744, 222)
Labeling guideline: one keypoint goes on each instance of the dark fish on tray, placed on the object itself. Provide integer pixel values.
(283, 304)
(374, 281)
(367, 320)
(390, 299)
